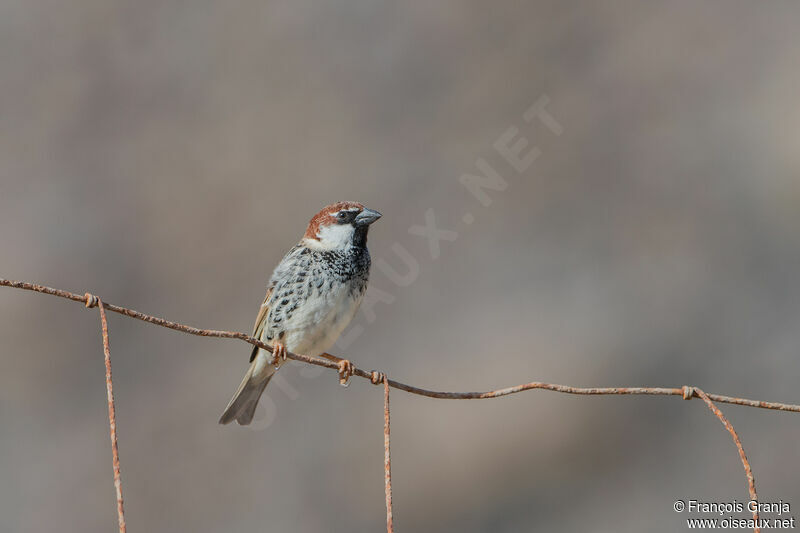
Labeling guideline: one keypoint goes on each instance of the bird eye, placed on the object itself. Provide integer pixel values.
(342, 215)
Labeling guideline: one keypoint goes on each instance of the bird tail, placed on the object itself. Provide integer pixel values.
(242, 406)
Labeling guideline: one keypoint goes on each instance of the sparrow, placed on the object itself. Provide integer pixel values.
(312, 296)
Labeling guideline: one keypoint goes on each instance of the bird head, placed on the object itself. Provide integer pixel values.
(340, 226)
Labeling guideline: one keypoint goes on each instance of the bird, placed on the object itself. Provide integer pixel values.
(312, 296)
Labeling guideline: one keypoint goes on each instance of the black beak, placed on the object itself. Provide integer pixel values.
(366, 217)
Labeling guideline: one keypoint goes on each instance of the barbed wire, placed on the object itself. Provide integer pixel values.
(686, 392)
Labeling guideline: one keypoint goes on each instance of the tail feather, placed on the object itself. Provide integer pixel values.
(242, 406)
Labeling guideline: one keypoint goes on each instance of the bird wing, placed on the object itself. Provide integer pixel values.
(261, 320)
(282, 272)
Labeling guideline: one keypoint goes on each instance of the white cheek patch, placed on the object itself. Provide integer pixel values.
(335, 236)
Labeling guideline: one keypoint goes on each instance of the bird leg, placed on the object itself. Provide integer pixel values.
(278, 353)
(345, 368)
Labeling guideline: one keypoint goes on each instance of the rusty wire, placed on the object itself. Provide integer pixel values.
(387, 459)
(748, 472)
(376, 379)
(686, 392)
(92, 301)
(653, 391)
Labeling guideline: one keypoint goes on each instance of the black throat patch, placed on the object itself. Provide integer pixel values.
(360, 236)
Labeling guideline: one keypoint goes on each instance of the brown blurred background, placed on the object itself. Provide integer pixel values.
(165, 155)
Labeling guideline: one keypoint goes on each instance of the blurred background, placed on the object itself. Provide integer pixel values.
(165, 155)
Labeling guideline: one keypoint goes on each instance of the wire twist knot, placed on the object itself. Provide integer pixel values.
(91, 300)
(688, 392)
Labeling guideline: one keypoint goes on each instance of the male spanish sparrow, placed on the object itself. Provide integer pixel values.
(312, 295)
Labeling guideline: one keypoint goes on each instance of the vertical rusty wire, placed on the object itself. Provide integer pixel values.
(748, 472)
(112, 417)
(387, 459)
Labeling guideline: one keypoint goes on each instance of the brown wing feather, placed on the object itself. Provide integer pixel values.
(263, 312)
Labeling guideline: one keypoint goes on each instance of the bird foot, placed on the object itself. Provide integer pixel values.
(345, 371)
(278, 353)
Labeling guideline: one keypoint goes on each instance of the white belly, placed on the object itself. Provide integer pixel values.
(313, 329)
